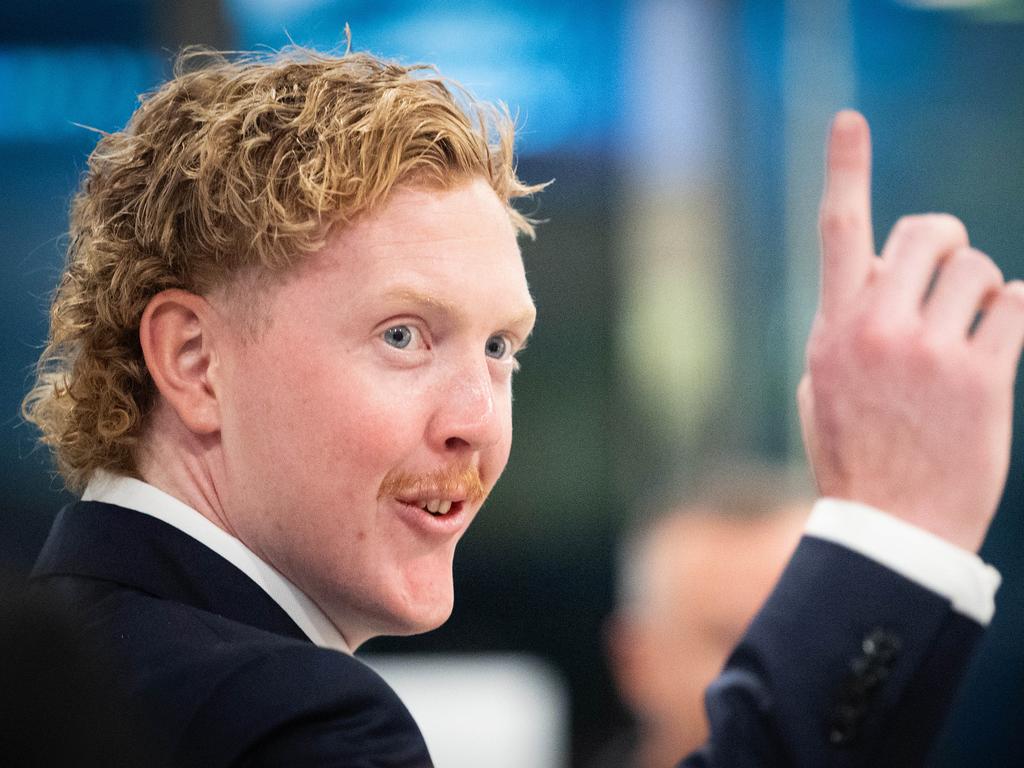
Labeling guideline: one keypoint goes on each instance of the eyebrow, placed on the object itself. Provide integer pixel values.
(423, 299)
(412, 296)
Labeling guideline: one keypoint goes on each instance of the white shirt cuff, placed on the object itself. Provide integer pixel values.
(960, 576)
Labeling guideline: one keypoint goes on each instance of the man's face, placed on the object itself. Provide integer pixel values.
(383, 384)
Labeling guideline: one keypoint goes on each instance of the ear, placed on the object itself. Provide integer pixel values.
(177, 334)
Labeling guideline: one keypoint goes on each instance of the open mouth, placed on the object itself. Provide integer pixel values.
(436, 507)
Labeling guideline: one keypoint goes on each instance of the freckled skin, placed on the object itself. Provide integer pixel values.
(321, 408)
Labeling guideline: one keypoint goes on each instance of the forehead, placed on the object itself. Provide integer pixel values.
(687, 553)
(458, 241)
(452, 252)
(470, 206)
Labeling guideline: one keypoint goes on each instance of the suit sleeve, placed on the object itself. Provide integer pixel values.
(847, 664)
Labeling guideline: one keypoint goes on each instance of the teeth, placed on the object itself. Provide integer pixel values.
(437, 506)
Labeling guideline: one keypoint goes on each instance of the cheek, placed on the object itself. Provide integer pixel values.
(503, 448)
(283, 413)
(329, 418)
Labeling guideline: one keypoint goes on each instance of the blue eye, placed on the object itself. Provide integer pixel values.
(496, 347)
(399, 336)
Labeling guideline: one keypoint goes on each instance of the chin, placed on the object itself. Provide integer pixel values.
(392, 625)
(422, 610)
(430, 615)
(420, 624)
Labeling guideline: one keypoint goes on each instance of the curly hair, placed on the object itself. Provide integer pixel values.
(238, 163)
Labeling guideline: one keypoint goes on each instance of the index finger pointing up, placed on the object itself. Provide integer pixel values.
(847, 243)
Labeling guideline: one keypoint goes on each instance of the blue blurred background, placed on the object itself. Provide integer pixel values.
(675, 277)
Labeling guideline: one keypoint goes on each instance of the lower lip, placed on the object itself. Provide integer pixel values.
(427, 524)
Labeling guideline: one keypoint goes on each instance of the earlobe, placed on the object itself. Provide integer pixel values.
(176, 334)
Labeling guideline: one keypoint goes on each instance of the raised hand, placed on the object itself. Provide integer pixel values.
(907, 400)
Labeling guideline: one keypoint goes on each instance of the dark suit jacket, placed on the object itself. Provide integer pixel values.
(847, 664)
(223, 674)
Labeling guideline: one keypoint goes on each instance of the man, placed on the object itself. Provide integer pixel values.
(691, 578)
(286, 336)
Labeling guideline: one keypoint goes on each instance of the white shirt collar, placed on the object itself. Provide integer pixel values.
(142, 497)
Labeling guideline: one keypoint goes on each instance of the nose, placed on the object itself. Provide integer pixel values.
(470, 415)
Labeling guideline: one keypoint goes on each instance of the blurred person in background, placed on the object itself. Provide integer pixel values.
(692, 574)
(280, 369)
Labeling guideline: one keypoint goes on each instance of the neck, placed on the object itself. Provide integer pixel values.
(183, 464)
(190, 468)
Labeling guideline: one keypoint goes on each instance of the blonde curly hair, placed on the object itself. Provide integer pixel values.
(239, 163)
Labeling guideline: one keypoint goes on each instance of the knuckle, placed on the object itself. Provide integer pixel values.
(971, 261)
(1008, 300)
(1013, 292)
(929, 226)
(909, 226)
(992, 272)
(875, 339)
(838, 220)
(929, 351)
(977, 384)
(949, 223)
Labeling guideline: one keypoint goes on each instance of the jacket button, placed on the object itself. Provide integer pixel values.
(864, 678)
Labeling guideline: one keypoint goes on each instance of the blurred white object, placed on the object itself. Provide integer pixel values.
(494, 710)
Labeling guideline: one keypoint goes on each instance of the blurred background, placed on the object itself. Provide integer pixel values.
(675, 276)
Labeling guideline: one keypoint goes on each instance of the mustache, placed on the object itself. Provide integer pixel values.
(453, 480)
